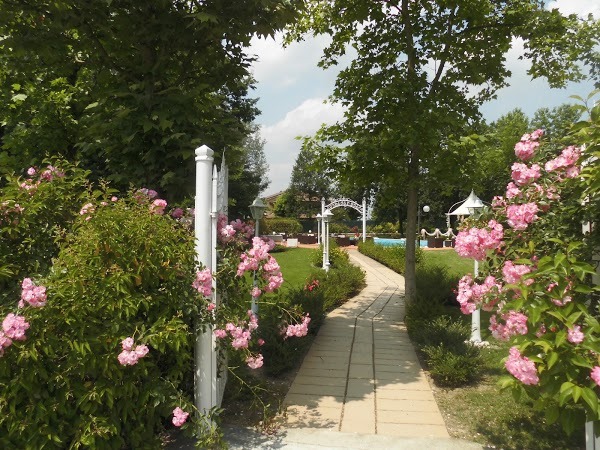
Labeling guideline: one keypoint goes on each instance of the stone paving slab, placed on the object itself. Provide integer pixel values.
(362, 374)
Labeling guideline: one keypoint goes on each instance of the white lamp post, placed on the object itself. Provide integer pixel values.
(319, 220)
(326, 217)
(257, 209)
(475, 206)
(426, 209)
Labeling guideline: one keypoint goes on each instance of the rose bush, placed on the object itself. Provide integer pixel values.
(537, 267)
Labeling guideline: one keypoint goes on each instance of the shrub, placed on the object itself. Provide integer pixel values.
(392, 257)
(443, 330)
(34, 212)
(435, 284)
(338, 228)
(123, 273)
(339, 284)
(280, 225)
(451, 369)
(337, 256)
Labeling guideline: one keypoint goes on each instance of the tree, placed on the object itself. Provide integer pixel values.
(130, 88)
(247, 181)
(421, 70)
(557, 121)
(309, 185)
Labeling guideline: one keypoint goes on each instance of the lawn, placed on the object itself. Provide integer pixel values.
(296, 265)
(456, 265)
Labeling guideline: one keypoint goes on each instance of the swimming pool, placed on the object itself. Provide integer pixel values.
(387, 242)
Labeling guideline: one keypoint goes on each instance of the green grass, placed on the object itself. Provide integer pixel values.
(456, 265)
(295, 265)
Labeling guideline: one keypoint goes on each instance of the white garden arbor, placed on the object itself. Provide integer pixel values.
(323, 222)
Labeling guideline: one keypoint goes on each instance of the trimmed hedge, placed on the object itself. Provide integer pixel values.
(392, 257)
(280, 225)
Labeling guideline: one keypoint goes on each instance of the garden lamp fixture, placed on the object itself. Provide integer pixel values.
(257, 209)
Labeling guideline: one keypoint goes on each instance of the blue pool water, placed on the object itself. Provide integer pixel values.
(391, 242)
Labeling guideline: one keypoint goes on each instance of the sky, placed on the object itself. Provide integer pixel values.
(292, 93)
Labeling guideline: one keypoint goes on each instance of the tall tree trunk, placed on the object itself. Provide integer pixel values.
(410, 280)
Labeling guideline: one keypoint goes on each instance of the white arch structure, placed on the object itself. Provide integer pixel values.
(348, 203)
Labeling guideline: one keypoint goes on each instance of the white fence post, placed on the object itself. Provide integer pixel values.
(364, 219)
(205, 372)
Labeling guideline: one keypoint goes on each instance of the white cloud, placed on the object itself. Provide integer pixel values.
(284, 66)
(282, 147)
(580, 7)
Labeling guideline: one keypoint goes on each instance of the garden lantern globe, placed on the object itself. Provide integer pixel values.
(257, 209)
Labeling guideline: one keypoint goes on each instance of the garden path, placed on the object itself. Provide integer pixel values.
(360, 386)
(361, 374)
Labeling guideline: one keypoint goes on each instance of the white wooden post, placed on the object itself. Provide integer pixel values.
(592, 441)
(364, 218)
(476, 315)
(205, 371)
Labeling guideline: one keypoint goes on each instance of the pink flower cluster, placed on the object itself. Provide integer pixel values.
(567, 161)
(87, 210)
(474, 242)
(6, 211)
(203, 282)
(158, 206)
(130, 355)
(516, 323)
(272, 274)
(13, 328)
(521, 367)
(30, 185)
(144, 194)
(49, 173)
(298, 330)
(32, 294)
(513, 272)
(523, 175)
(525, 149)
(236, 230)
(251, 260)
(240, 336)
(512, 190)
(575, 335)
(595, 375)
(179, 416)
(254, 362)
(471, 295)
(520, 216)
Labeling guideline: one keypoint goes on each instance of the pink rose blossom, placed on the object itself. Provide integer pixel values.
(256, 292)
(513, 272)
(516, 323)
(158, 206)
(203, 282)
(261, 342)
(474, 242)
(220, 334)
(574, 335)
(32, 294)
(255, 362)
(521, 367)
(14, 327)
(522, 175)
(595, 375)
(298, 330)
(114, 199)
(179, 416)
(472, 295)
(525, 149)
(127, 343)
(520, 216)
(31, 171)
(5, 342)
(210, 307)
(177, 213)
(512, 190)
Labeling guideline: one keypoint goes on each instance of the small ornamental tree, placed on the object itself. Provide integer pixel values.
(536, 276)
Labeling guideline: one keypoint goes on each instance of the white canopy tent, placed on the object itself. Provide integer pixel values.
(465, 207)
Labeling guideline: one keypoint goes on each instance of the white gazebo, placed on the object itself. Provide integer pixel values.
(465, 208)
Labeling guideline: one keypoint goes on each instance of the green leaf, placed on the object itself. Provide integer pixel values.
(551, 413)
(552, 358)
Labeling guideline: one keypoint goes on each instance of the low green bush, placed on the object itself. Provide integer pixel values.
(280, 225)
(339, 284)
(453, 369)
(435, 284)
(442, 330)
(337, 256)
(392, 257)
